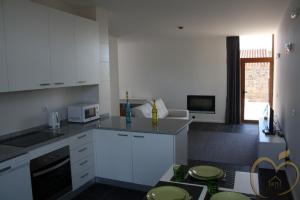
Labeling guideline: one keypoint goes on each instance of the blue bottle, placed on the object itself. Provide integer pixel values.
(128, 109)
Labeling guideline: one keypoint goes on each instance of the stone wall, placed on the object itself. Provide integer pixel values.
(257, 82)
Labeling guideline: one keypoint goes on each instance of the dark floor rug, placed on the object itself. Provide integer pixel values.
(224, 147)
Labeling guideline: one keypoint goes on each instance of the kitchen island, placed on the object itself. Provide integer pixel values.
(139, 152)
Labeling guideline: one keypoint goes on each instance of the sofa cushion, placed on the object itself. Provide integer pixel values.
(162, 110)
(144, 110)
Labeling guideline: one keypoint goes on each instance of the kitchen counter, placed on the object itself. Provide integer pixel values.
(164, 126)
(8, 152)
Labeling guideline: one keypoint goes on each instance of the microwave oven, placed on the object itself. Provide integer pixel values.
(83, 113)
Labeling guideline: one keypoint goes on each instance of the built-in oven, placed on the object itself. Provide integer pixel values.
(51, 175)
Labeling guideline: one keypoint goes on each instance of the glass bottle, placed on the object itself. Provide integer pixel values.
(154, 113)
(128, 109)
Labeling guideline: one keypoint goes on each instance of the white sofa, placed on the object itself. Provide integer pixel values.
(145, 111)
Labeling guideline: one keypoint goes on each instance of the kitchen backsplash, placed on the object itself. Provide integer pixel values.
(23, 110)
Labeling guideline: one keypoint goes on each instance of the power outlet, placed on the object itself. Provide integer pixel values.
(44, 109)
(293, 112)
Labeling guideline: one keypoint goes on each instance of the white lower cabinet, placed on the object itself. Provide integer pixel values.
(15, 179)
(132, 157)
(82, 159)
(113, 158)
(152, 156)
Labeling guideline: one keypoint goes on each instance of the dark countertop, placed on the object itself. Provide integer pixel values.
(8, 152)
(164, 126)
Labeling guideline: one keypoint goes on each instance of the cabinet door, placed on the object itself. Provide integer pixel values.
(113, 158)
(3, 69)
(87, 51)
(27, 39)
(152, 157)
(62, 48)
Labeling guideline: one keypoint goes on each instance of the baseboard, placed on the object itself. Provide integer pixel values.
(209, 121)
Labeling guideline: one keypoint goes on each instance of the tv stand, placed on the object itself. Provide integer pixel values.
(269, 145)
(267, 132)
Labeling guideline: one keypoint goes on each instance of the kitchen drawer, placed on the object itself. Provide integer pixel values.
(80, 139)
(81, 152)
(82, 178)
(82, 165)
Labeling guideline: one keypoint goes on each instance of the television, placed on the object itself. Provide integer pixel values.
(269, 121)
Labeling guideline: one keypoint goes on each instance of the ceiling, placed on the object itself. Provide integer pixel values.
(199, 17)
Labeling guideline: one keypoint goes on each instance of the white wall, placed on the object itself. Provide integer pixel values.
(172, 68)
(114, 76)
(23, 110)
(83, 11)
(287, 84)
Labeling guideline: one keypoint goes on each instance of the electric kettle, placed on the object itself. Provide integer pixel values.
(54, 120)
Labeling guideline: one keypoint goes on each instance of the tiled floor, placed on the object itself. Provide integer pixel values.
(213, 142)
(105, 192)
(219, 127)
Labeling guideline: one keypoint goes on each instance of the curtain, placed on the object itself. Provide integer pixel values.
(233, 107)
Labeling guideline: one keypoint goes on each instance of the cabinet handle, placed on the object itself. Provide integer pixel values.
(59, 83)
(82, 150)
(82, 136)
(123, 135)
(81, 82)
(5, 169)
(86, 174)
(45, 84)
(138, 136)
(83, 163)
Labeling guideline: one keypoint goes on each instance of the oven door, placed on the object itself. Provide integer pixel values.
(52, 181)
(91, 113)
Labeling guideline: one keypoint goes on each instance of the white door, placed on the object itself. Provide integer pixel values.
(152, 157)
(3, 69)
(87, 51)
(113, 158)
(27, 39)
(62, 48)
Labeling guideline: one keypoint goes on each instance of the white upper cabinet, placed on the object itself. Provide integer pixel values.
(3, 69)
(87, 51)
(27, 39)
(62, 48)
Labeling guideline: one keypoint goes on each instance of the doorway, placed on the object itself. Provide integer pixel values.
(257, 58)
(256, 87)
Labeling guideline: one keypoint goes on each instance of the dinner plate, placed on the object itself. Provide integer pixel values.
(206, 172)
(229, 196)
(168, 193)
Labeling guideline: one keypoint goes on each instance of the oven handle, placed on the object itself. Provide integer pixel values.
(51, 168)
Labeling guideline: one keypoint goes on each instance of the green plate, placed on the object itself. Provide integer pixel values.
(229, 196)
(168, 193)
(204, 172)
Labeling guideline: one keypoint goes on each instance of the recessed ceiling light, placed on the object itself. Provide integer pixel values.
(295, 13)
(180, 27)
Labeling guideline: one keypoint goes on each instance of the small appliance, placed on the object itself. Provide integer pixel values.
(51, 174)
(83, 112)
(54, 120)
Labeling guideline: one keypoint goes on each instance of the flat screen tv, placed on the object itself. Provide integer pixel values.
(269, 121)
